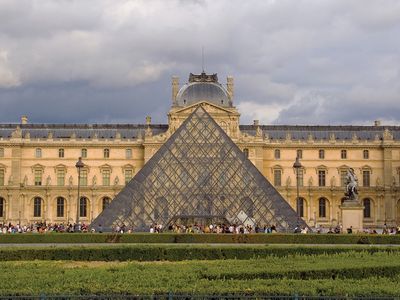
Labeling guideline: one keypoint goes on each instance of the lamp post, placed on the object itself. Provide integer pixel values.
(297, 165)
(79, 165)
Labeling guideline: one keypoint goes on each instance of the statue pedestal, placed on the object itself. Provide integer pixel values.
(352, 216)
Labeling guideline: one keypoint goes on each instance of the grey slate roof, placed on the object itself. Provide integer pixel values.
(102, 131)
(130, 131)
(278, 132)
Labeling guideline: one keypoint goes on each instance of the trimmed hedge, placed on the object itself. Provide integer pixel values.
(175, 253)
(344, 275)
(200, 238)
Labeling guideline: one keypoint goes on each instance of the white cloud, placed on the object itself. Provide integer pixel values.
(265, 113)
(7, 77)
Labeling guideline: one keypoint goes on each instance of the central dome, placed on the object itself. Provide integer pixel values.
(203, 87)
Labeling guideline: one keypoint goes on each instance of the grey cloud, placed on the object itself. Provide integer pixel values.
(114, 59)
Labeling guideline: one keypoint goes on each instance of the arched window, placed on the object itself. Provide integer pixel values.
(60, 207)
(83, 207)
(246, 152)
(2, 204)
(322, 208)
(105, 202)
(300, 207)
(37, 207)
(367, 208)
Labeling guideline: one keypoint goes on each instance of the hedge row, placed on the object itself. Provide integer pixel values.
(333, 273)
(368, 275)
(174, 253)
(201, 238)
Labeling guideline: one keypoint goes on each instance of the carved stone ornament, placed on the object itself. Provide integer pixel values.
(387, 135)
(17, 133)
(288, 181)
(48, 180)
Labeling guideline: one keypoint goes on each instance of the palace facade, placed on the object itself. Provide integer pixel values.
(39, 180)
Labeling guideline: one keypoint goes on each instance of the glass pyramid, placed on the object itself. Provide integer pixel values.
(198, 174)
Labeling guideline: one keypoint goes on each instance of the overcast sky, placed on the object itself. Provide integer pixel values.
(293, 62)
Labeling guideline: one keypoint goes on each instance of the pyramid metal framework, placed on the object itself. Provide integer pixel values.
(198, 173)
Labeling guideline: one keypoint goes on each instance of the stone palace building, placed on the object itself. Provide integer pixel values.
(39, 180)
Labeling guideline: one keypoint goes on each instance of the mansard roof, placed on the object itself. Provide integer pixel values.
(129, 131)
(106, 131)
(324, 132)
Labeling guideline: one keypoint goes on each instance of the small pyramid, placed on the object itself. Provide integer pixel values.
(199, 173)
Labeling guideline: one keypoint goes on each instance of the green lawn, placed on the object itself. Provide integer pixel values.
(351, 274)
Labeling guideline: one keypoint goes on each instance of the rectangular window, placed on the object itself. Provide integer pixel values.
(299, 153)
(106, 153)
(84, 174)
(61, 153)
(60, 177)
(60, 207)
(106, 177)
(1, 152)
(277, 177)
(84, 153)
(321, 154)
(321, 177)
(366, 154)
(128, 175)
(128, 153)
(366, 178)
(343, 154)
(343, 175)
(38, 153)
(38, 177)
(277, 154)
(37, 207)
(1, 177)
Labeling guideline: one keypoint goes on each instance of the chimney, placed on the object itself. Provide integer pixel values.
(24, 120)
(148, 120)
(175, 89)
(377, 123)
(229, 87)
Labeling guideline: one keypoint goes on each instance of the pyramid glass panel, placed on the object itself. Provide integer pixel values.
(198, 173)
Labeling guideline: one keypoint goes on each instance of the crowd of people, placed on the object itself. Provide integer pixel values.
(43, 227)
(212, 228)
